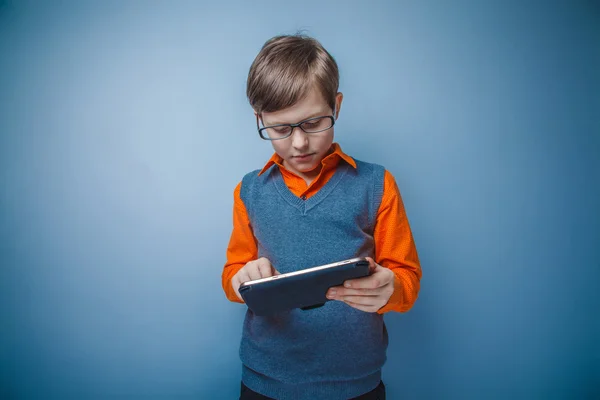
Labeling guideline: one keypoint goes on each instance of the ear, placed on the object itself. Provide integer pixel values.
(338, 104)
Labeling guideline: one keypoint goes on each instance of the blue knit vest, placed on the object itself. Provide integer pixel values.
(331, 352)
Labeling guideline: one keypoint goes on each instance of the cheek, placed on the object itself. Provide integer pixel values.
(325, 142)
(279, 146)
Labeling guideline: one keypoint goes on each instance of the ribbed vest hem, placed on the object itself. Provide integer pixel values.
(326, 390)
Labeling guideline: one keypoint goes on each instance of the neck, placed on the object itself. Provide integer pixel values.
(308, 176)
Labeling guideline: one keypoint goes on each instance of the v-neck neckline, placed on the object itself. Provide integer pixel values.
(300, 203)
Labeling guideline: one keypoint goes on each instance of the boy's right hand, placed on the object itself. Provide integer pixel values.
(253, 270)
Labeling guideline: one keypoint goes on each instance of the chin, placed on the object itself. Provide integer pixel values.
(309, 169)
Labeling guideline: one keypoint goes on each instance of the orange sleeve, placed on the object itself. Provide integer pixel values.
(242, 245)
(395, 248)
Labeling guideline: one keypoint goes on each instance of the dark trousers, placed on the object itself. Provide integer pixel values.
(376, 394)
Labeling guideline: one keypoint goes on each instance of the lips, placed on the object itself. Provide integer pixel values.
(303, 156)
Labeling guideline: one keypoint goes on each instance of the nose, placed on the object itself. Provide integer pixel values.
(299, 138)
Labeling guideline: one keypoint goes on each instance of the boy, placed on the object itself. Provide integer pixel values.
(311, 204)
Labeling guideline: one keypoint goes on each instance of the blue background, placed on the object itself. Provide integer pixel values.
(124, 128)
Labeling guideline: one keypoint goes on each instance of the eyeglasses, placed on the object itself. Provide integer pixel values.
(282, 131)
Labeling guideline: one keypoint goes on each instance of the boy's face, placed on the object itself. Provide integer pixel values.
(302, 152)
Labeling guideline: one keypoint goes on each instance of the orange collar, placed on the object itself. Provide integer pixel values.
(335, 153)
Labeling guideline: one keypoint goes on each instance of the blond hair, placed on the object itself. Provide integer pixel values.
(286, 68)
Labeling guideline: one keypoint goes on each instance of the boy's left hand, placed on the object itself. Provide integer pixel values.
(367, 294)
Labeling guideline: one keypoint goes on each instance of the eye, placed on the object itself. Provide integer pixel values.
(316, 125)
(282, 130)
(313, 124)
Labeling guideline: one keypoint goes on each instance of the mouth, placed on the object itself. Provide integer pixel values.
(303, 157)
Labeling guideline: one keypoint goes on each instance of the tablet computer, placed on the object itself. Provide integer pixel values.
(303, 289)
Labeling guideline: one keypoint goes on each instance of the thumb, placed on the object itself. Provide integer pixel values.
(372, 265)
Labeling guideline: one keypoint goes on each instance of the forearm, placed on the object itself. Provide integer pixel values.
(395, 249)
(242, 246)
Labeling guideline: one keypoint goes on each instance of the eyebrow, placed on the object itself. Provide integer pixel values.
(311, 115)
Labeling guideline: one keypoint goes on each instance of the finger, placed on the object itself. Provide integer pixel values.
(341, 291)
(264, 268)
(243, 276)
(369, 309)
(334, 291)
(370, 282)
(381, 277)
(367, 301)
(253, 271)
(271, 269)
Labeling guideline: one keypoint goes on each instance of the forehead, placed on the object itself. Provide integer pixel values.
(312, 105)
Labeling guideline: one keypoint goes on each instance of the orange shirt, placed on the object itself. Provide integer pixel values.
(394, 245)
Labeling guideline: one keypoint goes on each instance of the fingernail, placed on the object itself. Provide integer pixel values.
(347, 284)
(331, 293)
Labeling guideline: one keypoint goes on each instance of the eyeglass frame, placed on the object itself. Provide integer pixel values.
(293, 126)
